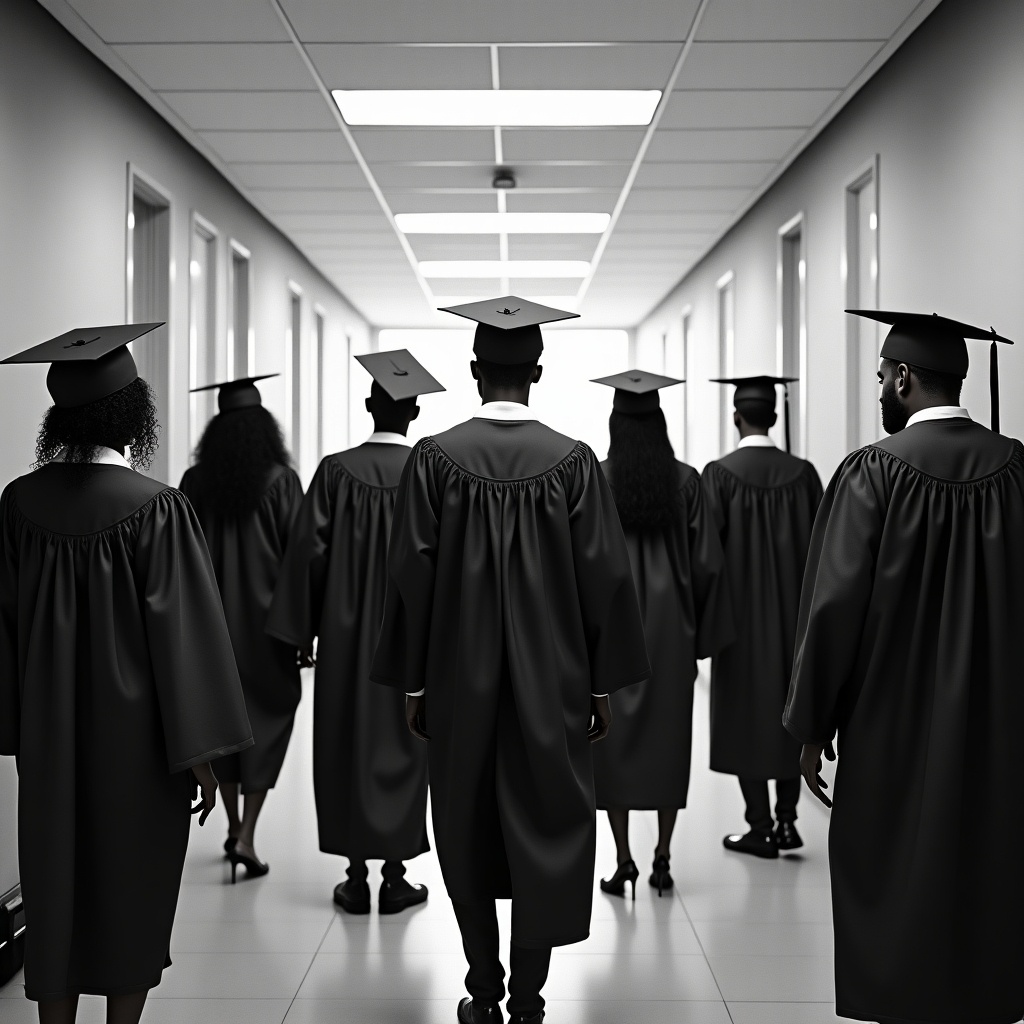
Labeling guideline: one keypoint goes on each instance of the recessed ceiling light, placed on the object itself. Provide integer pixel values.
(502, 223)
(497, 107)
(504, 268)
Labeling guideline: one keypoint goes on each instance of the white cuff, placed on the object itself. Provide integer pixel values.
(599, 695)
(418, 693)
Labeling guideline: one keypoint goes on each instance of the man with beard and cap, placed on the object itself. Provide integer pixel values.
(908, 648)
(763, 502)
(510, 615)
(369, 774)
(118, 684)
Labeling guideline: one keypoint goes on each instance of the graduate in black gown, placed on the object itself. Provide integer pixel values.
(246, 496)
(763, 502)
(510, 603)
(369, 773)
(679, 571)
(118, 686)
(909, 648)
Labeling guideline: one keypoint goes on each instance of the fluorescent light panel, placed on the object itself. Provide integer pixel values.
(502, 223)
(517, 108)
(504, 268)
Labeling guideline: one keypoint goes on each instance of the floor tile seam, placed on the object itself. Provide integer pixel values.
(312, 960)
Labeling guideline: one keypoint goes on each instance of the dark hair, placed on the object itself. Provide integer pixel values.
(234, 458)
(758, 414)
(936, 384)
(125, 418)
(502, 375)
(643, 471)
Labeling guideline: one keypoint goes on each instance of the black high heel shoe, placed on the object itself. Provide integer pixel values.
(229, 845)
(254, 868)
(660, 878)
(616, 885)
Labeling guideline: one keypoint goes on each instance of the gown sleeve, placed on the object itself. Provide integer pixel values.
(838, 581)
(715, 626)
(299, 595)
(401, 656)
(10, 683)
(198, 689)
(614, 630)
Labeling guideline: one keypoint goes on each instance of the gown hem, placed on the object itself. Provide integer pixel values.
(212, 755)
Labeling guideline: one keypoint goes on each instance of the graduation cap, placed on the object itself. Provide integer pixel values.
(237, 394)
(636, 391)
(508, 328)
(88, 363)
(936, 343)
(400, 374)
(759, 392)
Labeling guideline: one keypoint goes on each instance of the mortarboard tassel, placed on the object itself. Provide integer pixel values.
(993, 382)
(785, 413)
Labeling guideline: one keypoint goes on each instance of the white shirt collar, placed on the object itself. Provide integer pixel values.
(504, 411)
(104, 457)
(756, 441)
(939, 412)
(387, 437)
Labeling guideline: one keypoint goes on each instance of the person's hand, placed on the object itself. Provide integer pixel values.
(416, 716)
(204, 788)
(810, 768)
(304, 657)
(600, 718)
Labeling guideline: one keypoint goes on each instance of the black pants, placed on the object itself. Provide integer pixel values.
(485, 981)
(391, 871)
(759, 811)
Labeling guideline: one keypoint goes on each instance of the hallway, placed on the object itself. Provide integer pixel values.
(741, 940)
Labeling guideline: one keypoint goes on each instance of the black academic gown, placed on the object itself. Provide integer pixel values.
(247, 553)
(116, 675)
(680, 580)
(910, 646)
(369, 771)
(510, 599)
(763, 502)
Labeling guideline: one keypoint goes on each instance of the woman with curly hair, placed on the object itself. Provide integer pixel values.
(678, 568)
(247, 496)
(118, 685)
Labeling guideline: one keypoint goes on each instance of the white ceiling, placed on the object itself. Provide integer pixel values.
(758, 80)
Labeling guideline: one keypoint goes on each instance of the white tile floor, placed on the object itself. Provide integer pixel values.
(739, 940)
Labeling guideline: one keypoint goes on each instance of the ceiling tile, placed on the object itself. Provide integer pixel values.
(725, 144)
(321, 222)
(710, 175)
(281, 147)
(636, 66)
(570, 144)
(480, 175)
(410, 144)
(218, 65)
(641, 241)
(542, 286)
(455, 247)
(364, 66)
(316, 200)
(342, 241)
(803, 19)
(673, 222)
(301, 176)
(710, 200)
(744, 108)
(490, 21)
(484, 287)
(181, 21)
(766, 65)
(552, 247)
(429, 202)
(602, 201)
(240, 111)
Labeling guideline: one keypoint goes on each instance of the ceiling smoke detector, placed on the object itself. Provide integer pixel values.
(503, 179)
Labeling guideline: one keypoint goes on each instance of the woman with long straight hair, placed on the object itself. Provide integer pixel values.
(247, 495)
(678, 568)
(118, 685)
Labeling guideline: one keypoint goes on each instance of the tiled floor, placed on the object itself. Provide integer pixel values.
(740, 940)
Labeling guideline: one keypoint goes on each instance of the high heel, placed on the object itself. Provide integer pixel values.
(616, 885)
(254, 868)
(229, 845)
(660, 878)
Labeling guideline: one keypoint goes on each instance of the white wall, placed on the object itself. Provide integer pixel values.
(944, 116)
(68, 130)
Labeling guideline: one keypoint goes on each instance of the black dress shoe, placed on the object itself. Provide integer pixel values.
(760, 844)
(353, 897)
(787, 837)
(398, 895)
(474, 1013)
(521, 1018)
